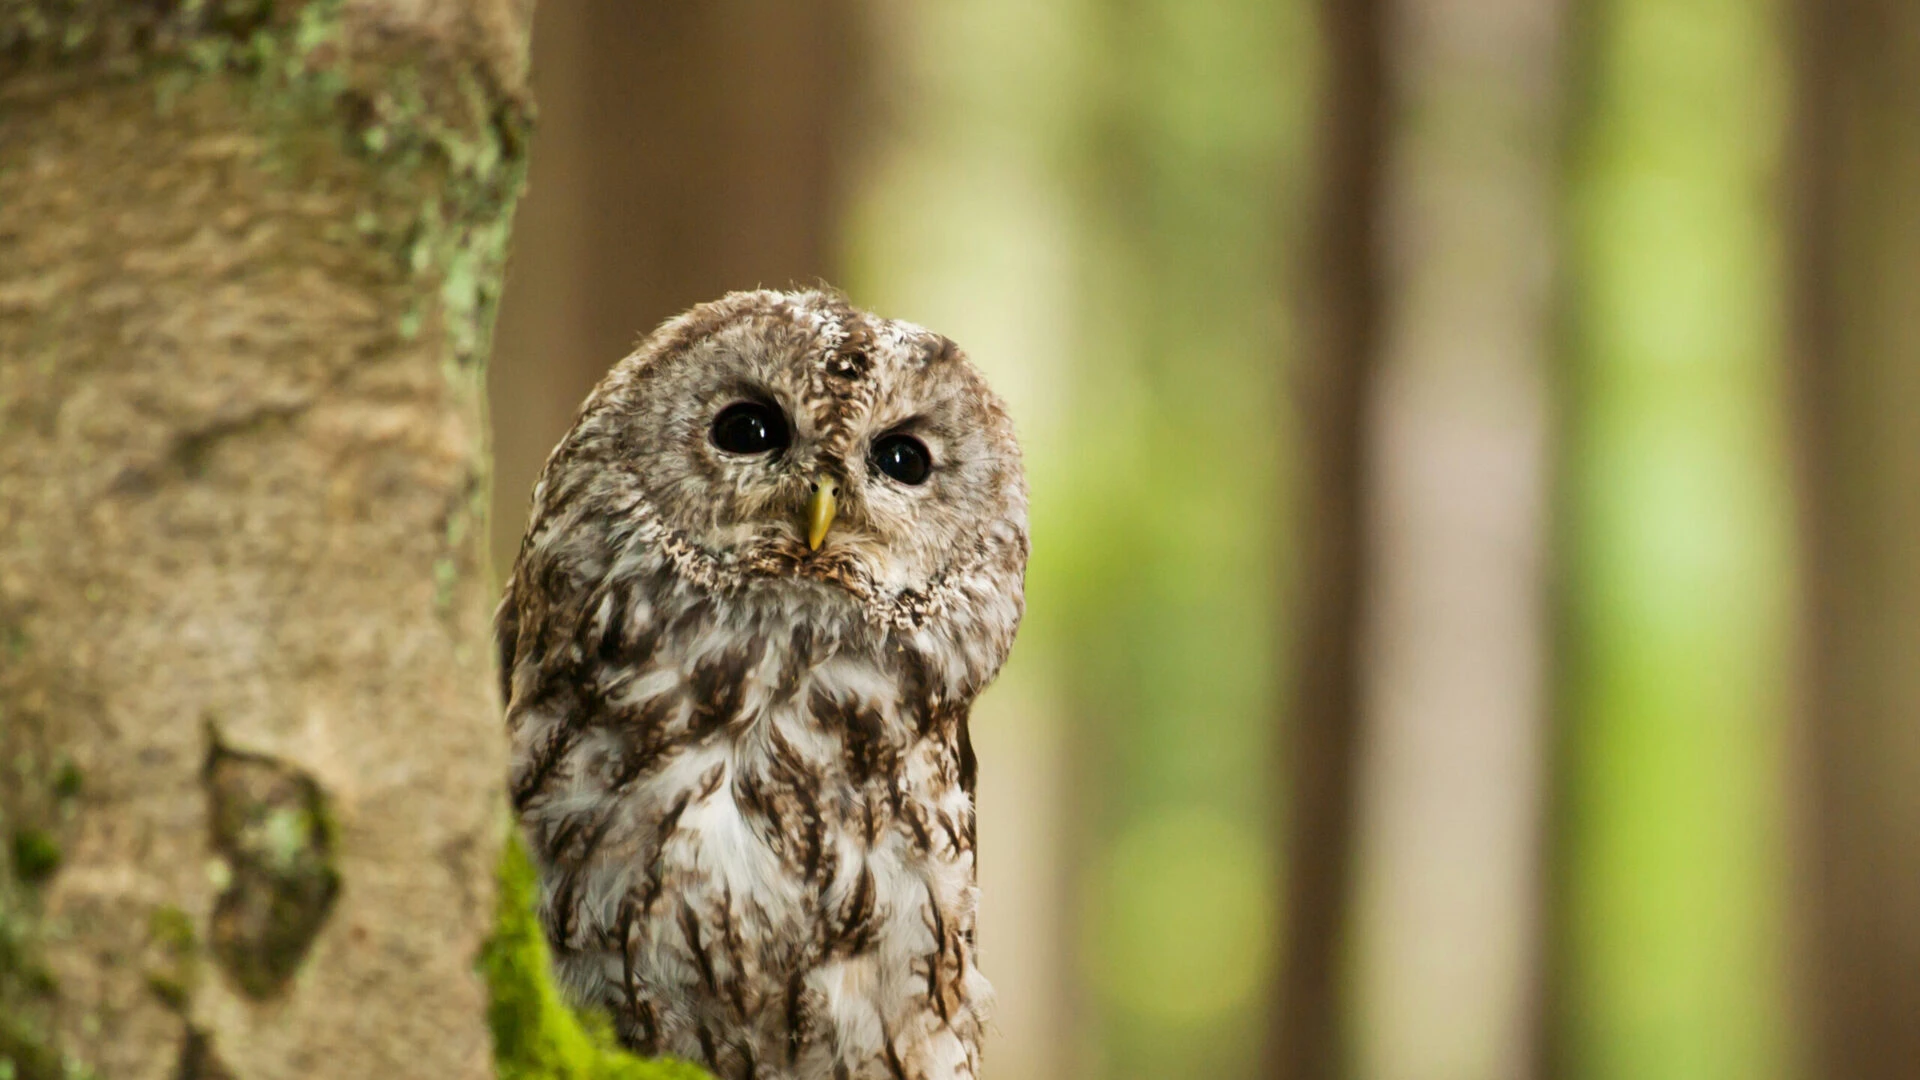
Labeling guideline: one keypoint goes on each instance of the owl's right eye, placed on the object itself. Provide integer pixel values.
(750, 427)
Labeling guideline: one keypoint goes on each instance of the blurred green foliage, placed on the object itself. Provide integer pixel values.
(1165, 571)
(1100, 213)
(1680, 563)
(1104, 206)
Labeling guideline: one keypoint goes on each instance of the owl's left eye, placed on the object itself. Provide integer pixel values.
(904, 458)
(750, 427)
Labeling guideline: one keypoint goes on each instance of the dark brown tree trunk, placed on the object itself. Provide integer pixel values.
(1857, 340)
(1340, 356)
(253, 767)
(685, 150)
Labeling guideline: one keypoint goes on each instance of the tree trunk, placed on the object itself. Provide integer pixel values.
(1445, 907)
(248, 255)
(1341, 353)
(1858, 368)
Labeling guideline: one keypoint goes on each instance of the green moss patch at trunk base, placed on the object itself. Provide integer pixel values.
(536, 1036)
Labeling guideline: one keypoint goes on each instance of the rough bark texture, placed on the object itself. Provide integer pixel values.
(1857, 262)
(1307, 1040)
(247, 255)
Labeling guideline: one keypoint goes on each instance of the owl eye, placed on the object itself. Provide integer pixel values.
(904, 458)
(750, 427)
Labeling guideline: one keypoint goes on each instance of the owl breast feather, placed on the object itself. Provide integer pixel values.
(755, 833)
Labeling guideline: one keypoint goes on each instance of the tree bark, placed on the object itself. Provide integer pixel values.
(1857, 364)
(248, 254)
(1340, 358)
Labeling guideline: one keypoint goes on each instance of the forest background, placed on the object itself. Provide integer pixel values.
(1415, 397)
(1474, 618)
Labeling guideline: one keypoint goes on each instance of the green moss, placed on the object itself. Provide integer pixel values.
(26, 1054)
(27, 1047)
(35, 855)
(13, 641)
(535, 1035)
(173, 968)
(172, 929)
(28, 1050)
(71, 30)
(66, 779)
(446, 575)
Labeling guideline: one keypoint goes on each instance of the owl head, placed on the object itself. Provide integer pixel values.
(785, 447)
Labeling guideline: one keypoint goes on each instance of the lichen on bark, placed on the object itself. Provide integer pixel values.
(435, 102)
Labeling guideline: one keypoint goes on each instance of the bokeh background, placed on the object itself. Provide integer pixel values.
(1436, 667)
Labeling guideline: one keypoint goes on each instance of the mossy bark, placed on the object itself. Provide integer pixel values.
(252, 806)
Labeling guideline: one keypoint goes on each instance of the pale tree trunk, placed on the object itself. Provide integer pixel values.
(1453, 751)
(1858, 366)
(248, 253)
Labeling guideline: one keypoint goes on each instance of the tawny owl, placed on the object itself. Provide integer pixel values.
(767, 573)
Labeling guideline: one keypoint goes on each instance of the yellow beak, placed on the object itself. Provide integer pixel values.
(821, 507)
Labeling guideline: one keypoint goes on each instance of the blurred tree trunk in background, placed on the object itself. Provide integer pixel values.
(1857, 266)
(1342, 337)
(685, 150)
(253, 772)
(1445, 905)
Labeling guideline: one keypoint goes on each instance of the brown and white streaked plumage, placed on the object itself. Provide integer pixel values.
(743, 764)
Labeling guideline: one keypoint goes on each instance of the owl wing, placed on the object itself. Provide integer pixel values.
(506, 636)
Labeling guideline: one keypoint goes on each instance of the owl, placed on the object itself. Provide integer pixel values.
(767, 572)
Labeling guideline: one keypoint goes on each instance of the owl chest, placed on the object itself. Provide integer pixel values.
(813, 822)
(773, 869)
(824, 880)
